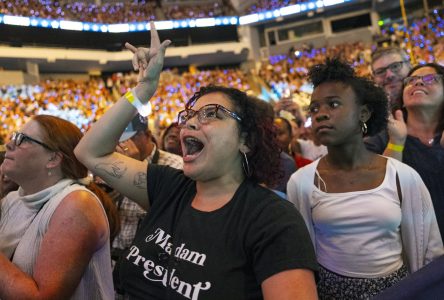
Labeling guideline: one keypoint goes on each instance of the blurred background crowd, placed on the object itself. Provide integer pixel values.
(84, 101)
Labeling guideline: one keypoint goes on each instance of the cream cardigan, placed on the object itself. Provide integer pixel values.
(420, 234)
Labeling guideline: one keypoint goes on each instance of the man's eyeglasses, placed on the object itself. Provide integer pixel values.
(426, 79)
(18, 138)
(205, 114)
(394, 67)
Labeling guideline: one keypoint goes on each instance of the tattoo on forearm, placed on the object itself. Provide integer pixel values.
(140, 180)
(116, 169)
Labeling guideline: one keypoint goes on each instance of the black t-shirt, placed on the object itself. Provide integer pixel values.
(182, 253)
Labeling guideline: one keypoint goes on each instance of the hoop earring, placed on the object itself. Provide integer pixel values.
(49, 173)
(245, 165)
(364, 127)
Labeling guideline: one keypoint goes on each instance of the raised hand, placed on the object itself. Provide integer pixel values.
(397, 128)
(149, 63)
(291, 107)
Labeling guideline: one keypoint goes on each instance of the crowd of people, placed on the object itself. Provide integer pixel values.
(281, 73)
(362, 172)
(289, 70)
(114, 11)
(134, 11)
(264, 5)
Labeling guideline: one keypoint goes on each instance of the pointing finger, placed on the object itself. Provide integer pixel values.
(130, 47)
(155, 40)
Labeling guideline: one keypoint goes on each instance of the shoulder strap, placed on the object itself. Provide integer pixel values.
(398, 187)
(155, 157)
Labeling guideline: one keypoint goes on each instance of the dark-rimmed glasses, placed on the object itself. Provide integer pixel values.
(394, 67)
(18, 138)
(426, 79)
(205, 114)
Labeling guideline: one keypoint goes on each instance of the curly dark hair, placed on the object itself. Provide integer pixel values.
(439, 70)
(257, 126)
(367, 93)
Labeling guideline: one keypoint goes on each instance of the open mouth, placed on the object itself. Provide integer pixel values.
(418, 92)
(192, 145)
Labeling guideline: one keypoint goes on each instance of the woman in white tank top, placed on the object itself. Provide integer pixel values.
(357, 204)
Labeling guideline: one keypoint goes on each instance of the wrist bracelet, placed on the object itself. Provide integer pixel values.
(394, 147)
(143, 109)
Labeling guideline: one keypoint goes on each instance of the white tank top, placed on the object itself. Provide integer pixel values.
(358, 233)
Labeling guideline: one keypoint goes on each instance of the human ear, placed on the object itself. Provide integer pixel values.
(243, 143)
(365, 113)
(54, 160)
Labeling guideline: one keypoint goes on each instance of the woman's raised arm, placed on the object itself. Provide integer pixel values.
(96, 149)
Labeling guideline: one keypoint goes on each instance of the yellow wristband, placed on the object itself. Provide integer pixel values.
(143, 109)
(131, 97)
(394, 147)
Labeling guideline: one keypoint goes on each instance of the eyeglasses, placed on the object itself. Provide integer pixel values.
(205, 114)
(428, 79)
(18, 138)
(394, 67)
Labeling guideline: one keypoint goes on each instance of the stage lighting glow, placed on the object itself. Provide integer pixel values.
(205, 22)
(248, 19)
(162, 25)
(70, 25)
(332, 2)
(118, 28)
(55, 24)
(171, 24)
(289, 10)
(18, 21)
